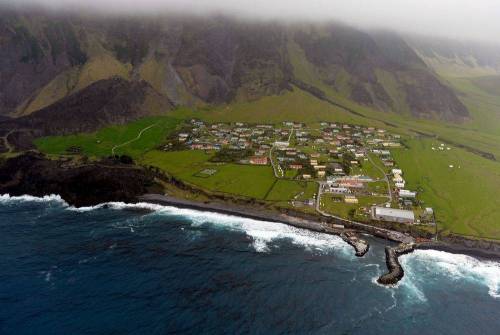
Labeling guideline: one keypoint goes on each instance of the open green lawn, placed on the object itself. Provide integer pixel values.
(342, 209)
(288, 189)
(379, 187)
(368, 169)
(465, 197)
(246, 180)
(100, 143)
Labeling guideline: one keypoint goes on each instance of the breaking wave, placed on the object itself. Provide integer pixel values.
(263, 233)
(7, 198)
(454, 266)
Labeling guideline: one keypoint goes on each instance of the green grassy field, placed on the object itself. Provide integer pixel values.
(246, 180)
(284, 190)
(465, 196)
(368, 169)
(101, 142)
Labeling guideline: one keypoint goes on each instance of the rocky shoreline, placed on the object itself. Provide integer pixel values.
(113, 179)
(349, 235)
(360, 246)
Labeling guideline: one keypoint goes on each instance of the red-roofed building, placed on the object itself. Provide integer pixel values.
(258, 160)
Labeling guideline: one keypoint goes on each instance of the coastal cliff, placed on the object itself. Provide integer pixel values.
(82, 184)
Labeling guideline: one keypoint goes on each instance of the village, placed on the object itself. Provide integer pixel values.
(352, 165)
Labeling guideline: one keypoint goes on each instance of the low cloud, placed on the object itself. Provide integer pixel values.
(461, 19)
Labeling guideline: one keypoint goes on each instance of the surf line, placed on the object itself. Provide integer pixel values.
(350, 236)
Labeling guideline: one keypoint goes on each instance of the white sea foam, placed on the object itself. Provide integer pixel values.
(455, 267)
(263, 233)
(7, 198)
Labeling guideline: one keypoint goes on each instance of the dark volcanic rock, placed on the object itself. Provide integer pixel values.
(32, 55)
(79, 185)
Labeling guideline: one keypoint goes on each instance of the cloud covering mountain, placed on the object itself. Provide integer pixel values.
(462, 19)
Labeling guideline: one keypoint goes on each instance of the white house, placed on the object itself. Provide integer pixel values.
(397, 171)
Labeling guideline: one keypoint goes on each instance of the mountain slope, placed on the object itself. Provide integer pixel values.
(105, 102)
(200, 61)
(379, 70)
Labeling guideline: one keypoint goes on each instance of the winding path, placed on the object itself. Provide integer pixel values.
(132, 140)
(385, 175)
(6, 141)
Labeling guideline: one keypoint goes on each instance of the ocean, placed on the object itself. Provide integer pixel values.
(150, 269)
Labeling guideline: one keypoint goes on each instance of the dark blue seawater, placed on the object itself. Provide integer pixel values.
(124, 270)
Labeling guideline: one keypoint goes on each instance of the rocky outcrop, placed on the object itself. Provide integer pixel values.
(78, 184)
(396, 271)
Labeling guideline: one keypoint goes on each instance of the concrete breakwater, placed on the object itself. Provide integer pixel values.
(396, 271)
(360, 246)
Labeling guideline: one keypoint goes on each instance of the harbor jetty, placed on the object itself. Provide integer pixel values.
(360, 246)
(396, 271)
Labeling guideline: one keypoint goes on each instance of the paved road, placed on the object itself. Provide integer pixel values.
(132, 140)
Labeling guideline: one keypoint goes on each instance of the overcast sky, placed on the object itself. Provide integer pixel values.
(463, 19)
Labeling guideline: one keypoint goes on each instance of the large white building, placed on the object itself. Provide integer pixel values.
(392, 215)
